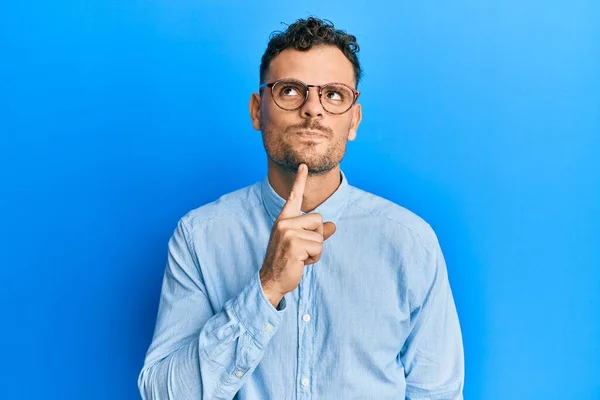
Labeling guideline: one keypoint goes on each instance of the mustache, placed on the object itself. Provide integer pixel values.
(309, 126)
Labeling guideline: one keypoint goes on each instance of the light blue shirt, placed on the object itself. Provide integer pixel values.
(374, 318)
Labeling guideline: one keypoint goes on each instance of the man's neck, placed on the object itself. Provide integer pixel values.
(318, 187)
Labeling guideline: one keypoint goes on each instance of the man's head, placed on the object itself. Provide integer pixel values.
(312, 52)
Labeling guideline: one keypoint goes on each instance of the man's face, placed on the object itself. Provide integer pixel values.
(285, 134)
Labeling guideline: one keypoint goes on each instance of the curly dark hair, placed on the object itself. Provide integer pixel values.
(306, 33)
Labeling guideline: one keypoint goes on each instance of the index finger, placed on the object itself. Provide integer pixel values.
(293, 205)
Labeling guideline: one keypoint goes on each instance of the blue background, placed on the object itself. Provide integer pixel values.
(117, 117)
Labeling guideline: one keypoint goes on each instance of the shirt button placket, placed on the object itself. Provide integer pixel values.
(305, 338)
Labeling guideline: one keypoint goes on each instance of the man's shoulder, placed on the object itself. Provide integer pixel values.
(232, 204)
(388, 213)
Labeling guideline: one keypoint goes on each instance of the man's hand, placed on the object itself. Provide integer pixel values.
(296, 241)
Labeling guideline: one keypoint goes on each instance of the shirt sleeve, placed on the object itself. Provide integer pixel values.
(432, 355)
(197, 352)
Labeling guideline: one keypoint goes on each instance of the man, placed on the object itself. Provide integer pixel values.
(303, 286)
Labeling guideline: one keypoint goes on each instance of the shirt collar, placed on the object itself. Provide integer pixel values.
(331, 209)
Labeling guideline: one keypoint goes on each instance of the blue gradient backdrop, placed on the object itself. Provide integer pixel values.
(117, 117)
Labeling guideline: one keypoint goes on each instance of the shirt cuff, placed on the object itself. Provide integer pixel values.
(256, 313)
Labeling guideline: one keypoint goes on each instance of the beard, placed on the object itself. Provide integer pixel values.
(320, 158)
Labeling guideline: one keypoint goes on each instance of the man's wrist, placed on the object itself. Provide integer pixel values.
(273, 296)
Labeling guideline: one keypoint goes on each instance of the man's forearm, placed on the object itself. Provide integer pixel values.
(216, 363)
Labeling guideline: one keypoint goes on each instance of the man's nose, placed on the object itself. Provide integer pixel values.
(312, 107)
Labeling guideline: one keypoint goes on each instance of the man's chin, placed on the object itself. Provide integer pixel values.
(314, 168)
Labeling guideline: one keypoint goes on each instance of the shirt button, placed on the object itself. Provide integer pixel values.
(239, 374)
(269, 328)
(305, 382)
(306, 317)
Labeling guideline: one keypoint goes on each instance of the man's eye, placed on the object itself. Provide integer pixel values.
(289, 91)
(333, 95)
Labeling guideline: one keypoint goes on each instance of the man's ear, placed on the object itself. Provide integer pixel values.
(356, 118)
(254, 107)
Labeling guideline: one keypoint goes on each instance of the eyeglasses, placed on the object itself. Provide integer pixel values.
(290, 94)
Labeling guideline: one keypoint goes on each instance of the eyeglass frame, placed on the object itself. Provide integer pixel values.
(320, 87)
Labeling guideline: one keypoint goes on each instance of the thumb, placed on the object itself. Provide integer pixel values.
(328, 230)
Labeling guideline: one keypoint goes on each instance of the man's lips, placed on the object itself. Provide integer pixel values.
(311, 134)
